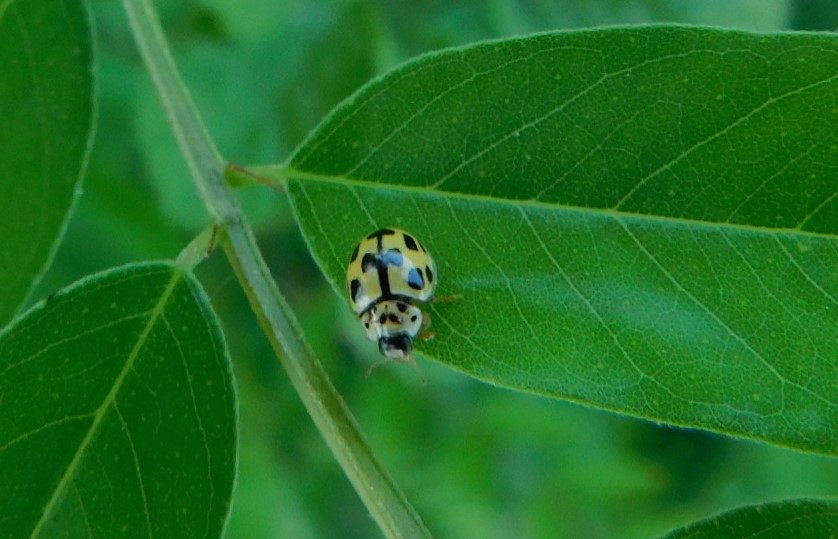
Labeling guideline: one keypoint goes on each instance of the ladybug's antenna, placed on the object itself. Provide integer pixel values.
(374, 365)
(408, 359)
(416, 366)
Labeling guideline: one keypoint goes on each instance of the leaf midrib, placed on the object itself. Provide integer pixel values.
(155, 314)
(288, 173)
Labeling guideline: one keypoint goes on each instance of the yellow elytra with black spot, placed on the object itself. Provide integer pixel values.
(389, 272)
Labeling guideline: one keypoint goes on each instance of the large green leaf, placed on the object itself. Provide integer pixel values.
(117, 411)
(642, 219)
(46, 117)
(780, 520)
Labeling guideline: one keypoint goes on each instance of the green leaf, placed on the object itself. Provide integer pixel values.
(117, 411)
(800, 518)
(46, 114)
(640, 219)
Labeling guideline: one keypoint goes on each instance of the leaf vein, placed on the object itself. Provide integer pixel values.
(108, 401)
(140, 480)
(23, 436)
(742, 341)
(593, 310)
(770, 101)
(804, 273)
(199, 420)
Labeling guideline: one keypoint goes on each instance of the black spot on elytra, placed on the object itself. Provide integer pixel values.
(354, 288)
(394, 319)
(382, 318)
(410, 243)
(413, 318)
(381, 232)
(415, 279)
(367, 325)
(429, 274)
(368, 262)
(355, 253)
(402, 307)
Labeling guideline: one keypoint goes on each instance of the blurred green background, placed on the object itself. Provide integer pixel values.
(475, 461)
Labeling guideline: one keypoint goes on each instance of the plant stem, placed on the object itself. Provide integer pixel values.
(391, 510)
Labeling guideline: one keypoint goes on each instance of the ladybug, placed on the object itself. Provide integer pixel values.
(390, 273)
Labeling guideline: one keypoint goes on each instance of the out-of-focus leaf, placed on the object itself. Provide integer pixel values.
(814, 15)
(46, 123)
(641, 219)
(780, 520)
(117, 411)
(423, 26)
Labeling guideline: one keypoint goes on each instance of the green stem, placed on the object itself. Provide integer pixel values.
(391, 510)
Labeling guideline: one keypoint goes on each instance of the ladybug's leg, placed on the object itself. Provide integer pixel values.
(447, 299)
(424, 334)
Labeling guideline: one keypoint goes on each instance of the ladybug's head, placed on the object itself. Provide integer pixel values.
(396, 347)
